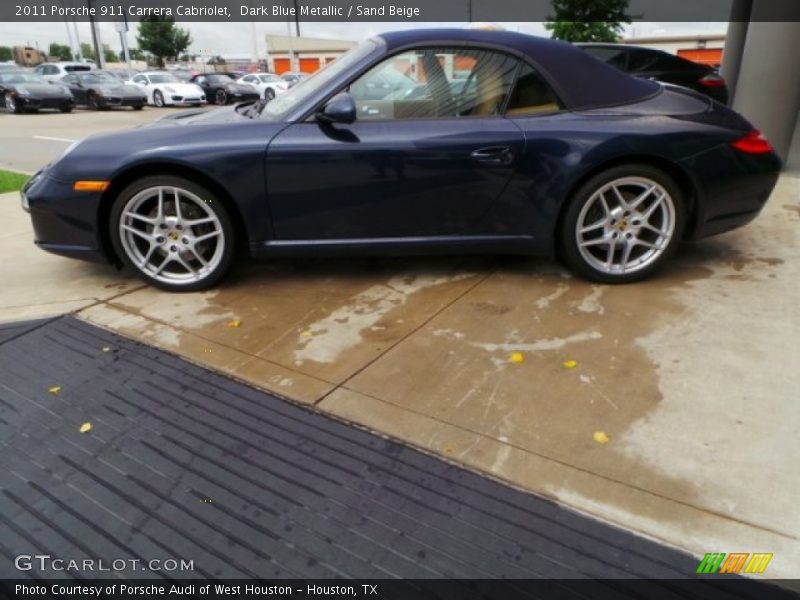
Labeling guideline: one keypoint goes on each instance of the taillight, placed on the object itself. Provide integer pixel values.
(754, 142)
(712, 80)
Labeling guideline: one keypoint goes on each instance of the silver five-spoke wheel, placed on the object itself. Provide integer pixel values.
(622, 224)
(174, 233)
(626, 225)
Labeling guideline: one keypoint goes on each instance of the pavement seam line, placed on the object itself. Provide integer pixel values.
(391, 347)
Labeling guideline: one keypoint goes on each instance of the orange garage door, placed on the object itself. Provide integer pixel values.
(309, 65)
(705, 56)
(282, 65)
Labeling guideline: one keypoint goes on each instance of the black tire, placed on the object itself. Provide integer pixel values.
(158, 99)
(66, 108)
(623, 226)
(212, 203)
(138, 107)
(91, 101)
(221, 97)
(269, 94)
(12, 105)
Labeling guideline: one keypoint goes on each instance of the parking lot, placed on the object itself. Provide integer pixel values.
(668, 407)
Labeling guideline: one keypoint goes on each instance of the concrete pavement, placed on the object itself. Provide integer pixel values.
(690, 376)
(678, 418)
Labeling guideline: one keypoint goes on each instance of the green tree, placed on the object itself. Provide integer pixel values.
(587, 20)
(162, 38)
(60, 51)
(6, 53)
(87, 51)
(137, 54)
(109, 55)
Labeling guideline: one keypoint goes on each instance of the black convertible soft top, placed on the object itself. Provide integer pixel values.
(580, 80)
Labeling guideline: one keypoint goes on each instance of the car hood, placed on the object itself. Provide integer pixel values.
(116, 88)
(174, 140)
(181, 88)
(240, 87)
(46, 90)
(228, 114)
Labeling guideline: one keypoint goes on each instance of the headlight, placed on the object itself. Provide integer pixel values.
(170, 89)
(23, 92)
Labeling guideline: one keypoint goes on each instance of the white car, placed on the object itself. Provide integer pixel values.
(164, 89)
(54, 72)
(269, 85)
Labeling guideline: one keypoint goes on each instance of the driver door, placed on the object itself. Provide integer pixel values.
(427, 156)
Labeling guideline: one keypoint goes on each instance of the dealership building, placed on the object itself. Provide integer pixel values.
(308, 53)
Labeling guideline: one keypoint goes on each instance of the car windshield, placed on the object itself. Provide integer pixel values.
(268, 78)
(96, 77)
(308, 86)
(163, 78)
(17, 77)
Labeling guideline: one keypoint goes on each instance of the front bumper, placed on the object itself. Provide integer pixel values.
(33, 103)
(111, 101)
(178, 100)
(64, 221)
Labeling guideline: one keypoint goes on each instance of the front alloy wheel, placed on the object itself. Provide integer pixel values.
(269, 94)
(174, 233)
(11, 103)
(158, 99)
(622, 225)
(221, 97)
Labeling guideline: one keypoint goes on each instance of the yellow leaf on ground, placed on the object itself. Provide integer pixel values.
(106, 349)
(55, 389)
(600, 437)
(517, 357)
(86, 427)
(570, 364)
(307, 333)
(234, 324)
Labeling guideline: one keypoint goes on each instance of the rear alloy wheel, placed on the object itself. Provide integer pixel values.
(175, 234)
(67, 108)
(11, 103)
(221, 97)
(623, 224)
(158, 99)
(269, 94)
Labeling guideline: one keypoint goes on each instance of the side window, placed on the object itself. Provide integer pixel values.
(532, 95)
(430, 83)
(52, 70)
(141, 79)
(250, 79)
(643, 60)
(616, 57)
(70, 79)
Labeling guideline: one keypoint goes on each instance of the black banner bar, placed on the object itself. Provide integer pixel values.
(372, 10)
(732, 588)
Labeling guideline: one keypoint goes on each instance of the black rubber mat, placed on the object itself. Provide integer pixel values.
(181, 463)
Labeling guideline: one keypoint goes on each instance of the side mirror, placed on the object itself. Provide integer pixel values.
(339, 109)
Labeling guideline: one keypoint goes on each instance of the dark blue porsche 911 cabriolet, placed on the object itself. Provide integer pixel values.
(447, 141)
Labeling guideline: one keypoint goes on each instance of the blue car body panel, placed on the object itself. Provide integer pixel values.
(298, 185)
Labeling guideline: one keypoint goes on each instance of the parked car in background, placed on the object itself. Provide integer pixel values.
(9, 66)
(164, 89)
(269, 85)
(649, 63)
(222, 88)
(293, 78)
(549, 152)
(184, 75)
(122, 74)
(55, 71)
(101, 90)
(22, 91)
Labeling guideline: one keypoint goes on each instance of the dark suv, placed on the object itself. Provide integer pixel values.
(662, 66)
